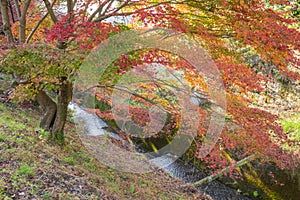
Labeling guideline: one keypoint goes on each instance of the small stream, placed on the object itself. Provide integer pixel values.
(94, 126)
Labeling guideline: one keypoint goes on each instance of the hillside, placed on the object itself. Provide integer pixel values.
(31, 168)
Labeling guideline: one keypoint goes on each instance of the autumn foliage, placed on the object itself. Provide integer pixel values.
(224, 28)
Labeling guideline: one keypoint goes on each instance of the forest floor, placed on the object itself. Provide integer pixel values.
(31, 168)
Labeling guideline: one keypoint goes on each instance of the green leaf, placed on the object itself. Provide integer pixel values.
(132, 188)
(255, 194)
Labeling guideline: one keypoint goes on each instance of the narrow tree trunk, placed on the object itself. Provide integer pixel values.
(22, 25)
(63, 100)
(6, 21)
(48, 107)
(18, 10)
(50, 11)
(11, 12)
(70, 6)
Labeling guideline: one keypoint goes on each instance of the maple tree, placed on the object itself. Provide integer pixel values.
(224, 28)
(74, 29)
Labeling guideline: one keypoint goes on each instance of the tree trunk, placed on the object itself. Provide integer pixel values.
(63, 100)
(6, 21)
(22, 25)
(48, 107)
(50, 11)
(18, 10)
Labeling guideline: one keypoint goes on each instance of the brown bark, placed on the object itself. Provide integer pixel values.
(22, 25)
(48, 107)
(70, 6)
(63, 100)
(55, 114)
(6, 21)
(12, 12)
(65, 90)
(50, 11)
(18, 10)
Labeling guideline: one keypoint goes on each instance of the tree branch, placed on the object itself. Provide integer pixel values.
(18, 10)
(105, 16)
(109, 6)
(124, 89)
(11, 12)
(50, 11)
(36, 27)
(226, 169)
(99, 10)
(125, 4)
(38, 24)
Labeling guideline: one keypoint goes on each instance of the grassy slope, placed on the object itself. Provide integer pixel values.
(291, 125)
(30, 168)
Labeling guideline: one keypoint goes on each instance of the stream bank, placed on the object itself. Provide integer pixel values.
(94, 126)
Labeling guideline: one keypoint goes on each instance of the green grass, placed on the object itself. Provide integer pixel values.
(2, 137)
(35, 167)
(2, 107)
(69, 160)
(25, 170)
(292, 125)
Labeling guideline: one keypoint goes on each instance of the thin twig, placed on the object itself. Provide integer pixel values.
(38, 25)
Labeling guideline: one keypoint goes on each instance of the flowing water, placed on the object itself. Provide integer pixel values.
(94, 126)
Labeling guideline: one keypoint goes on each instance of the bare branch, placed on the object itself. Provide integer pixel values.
(124, 89)
(36, 27)
(108, 7)
(99, 9)
(38, 24)
(225, 170)
(115, 12)
(125, 4)
(50, 11)
(105, 15)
